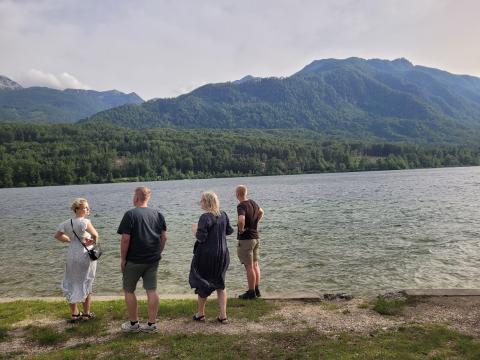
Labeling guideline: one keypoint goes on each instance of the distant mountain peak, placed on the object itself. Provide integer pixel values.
(402, 61)
(245, 79)
(330, 64)
(8, 84)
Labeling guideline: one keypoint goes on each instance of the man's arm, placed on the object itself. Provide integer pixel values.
(241, 224)
(124, 243)
(260, 214)
(163, 240)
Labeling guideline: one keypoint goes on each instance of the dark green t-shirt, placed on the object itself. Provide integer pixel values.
(251, 211)
(144, 225)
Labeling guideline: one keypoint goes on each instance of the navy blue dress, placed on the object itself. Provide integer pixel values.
(210, 254)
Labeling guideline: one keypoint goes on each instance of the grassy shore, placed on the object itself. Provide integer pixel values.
(260, 329)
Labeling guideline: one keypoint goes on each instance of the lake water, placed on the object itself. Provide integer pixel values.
(362, 233)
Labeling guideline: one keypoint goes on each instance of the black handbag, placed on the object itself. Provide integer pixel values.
(95, 252)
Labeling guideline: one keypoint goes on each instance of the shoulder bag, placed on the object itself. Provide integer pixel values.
(95, 252)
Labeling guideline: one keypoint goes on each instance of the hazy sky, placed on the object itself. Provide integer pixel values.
(163, 48)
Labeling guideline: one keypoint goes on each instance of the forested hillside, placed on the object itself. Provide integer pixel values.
(45, 105)
(388, 100)
(34, 155)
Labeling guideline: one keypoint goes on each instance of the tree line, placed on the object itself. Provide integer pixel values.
(37, 155)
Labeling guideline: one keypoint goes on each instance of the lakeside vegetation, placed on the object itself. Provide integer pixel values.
(38, 330)
(37, 155)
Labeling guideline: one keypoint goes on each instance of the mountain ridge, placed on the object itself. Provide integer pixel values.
(46, 105)
(392, 100)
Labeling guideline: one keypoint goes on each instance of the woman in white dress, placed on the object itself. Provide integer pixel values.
(79, 270)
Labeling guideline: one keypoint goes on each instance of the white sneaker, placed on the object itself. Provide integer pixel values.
(128, 327)
(149, 328)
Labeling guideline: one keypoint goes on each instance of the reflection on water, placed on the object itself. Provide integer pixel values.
(357, 232)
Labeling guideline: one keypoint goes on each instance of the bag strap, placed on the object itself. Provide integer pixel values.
(71, 222)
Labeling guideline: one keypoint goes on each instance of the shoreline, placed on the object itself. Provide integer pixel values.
(293, 296)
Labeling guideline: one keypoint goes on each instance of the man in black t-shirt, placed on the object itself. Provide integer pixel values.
(249, 214)
(144, 233)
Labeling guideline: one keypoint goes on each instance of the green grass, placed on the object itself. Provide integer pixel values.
(389, 307)
(44, 335)
(415, 342)
(15, 311)
(3, 333)
(409, 342)
(363, 305)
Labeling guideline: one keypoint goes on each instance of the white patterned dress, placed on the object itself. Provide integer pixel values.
(80, 271)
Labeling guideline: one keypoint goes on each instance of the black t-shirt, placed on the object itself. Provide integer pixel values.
(144, 225)
(251, 211)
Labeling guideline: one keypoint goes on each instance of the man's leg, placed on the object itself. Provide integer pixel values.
(153, 301)
(150, 285)
(256, 269)
(132, 307)
(245, 254)
(251, 276)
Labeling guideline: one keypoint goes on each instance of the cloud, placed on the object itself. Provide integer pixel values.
(62, 81)
(165, 48)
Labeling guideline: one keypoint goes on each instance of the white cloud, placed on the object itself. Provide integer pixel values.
(164, 48)
(62, 81)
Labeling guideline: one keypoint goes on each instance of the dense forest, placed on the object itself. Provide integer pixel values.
(35, 155)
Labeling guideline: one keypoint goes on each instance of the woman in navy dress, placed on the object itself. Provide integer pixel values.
(210, 256)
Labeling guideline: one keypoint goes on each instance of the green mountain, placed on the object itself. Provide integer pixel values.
(379, 99)
(45, 105)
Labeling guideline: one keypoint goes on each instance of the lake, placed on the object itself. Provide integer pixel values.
(362, 233)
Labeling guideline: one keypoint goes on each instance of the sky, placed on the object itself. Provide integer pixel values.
(164, 48)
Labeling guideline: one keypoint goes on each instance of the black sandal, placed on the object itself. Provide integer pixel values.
(222, 321)
(199, 318)
(76, 317)
(89, 316)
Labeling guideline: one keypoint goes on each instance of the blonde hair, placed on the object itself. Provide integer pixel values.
(211, 202)
(143, 193)
(77, 202)
(241, 190)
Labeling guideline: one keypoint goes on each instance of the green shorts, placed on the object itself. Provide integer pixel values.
(247, 251)
(133, 272)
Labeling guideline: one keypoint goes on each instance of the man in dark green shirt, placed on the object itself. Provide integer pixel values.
(249, 214)
(144, 233)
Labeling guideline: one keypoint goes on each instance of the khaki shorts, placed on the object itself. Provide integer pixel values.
(133, 272)
(247, 251)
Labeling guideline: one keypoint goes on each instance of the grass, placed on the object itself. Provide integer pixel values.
(389, 307)
(364, 305)
(44, 335)
(414, 342)
(15, 311)
(3, 333)
(408, 342)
